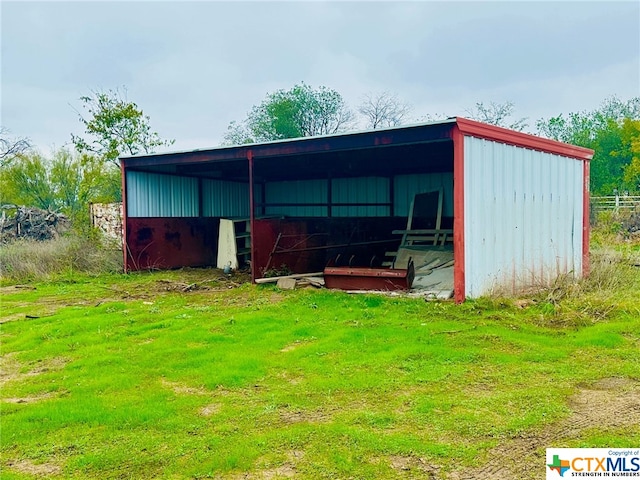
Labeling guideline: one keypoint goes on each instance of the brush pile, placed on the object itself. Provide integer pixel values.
(30, 223)
(631, 226)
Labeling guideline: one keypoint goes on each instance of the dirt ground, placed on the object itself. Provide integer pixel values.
(610, 403)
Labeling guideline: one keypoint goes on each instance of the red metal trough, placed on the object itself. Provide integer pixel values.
(363, 278)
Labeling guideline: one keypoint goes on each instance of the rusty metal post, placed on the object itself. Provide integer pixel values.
(252, 217)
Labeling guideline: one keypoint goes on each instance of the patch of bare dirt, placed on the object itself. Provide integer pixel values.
(181, 389)
(31, 399)
(15, 288)
(609, 403)
(37, 312)
(276, 297)
(292, 379)
(287, 470)
(12, 318)
(36, 469)
(210, 410)
(10, 367)
(283, 471)
(412, 467)
(42, 366)
(299, 416)
(291, 346)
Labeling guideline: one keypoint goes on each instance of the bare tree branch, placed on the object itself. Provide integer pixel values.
(382, 110)
(497, 114)
(10, 148)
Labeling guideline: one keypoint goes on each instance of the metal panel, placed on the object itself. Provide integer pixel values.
(523, 214)
(360, 190)
(225, 199)
(301, 192)
(170, 242)
(154, 195)
(406, 186)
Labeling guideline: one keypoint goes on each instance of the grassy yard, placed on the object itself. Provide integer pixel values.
(132, 377)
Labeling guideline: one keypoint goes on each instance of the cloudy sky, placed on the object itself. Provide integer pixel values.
(195, 66)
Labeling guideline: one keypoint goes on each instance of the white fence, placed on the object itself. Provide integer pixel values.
(616, 203)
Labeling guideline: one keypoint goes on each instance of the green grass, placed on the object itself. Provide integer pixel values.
(133, 381)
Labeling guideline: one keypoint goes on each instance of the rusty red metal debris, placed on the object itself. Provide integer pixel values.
(363, 278)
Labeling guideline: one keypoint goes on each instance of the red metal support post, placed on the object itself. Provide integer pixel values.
(458, 215)
(252, 217)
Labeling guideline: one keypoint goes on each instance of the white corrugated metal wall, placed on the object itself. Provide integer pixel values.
(522, 216)
(406, 186)
(155, 195)
(160, 195)
(356, 190)
(360, 190)
(225, 199)
(299, 191)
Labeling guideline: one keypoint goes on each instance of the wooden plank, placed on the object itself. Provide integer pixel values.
(421, 238)
(445, 265)
(297, 275)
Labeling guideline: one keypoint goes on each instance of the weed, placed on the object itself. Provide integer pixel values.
(283, 271)
(62, 258)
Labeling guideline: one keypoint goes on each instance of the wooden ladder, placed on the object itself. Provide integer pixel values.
(424, 205)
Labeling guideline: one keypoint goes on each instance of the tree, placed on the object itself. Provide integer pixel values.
(26, 182)
(115, 126)
(497, 114)
(298, 112)
(602, 130)
(237, 134)
(65, 182)
(383, 110)
(631, 144)
(10, 148)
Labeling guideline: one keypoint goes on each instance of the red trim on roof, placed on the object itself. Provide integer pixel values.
(458, 215)
(491, 132)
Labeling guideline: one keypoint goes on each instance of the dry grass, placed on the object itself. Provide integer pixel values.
(28, 260)
(612, 283)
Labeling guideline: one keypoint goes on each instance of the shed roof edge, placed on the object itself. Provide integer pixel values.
(474, 128)
(451, 120)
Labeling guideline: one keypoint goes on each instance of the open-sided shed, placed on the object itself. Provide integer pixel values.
(517, 204)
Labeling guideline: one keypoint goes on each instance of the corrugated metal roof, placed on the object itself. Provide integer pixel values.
(408, 134)
(450, 120)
